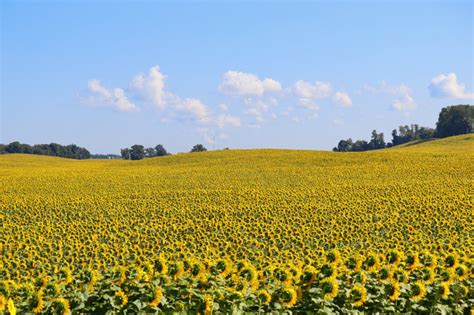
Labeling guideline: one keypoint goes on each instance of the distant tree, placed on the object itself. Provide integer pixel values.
(70, 151)
(455, 120)
(125, 153)
(426, 133)
(344, 145)
(198, 148)
(160, 150)
(13, 147)
(2, 149)
(137, 152)
(377, 141)
(360, 145)
(150, 152)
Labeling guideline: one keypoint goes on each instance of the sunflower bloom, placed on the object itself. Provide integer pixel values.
(158, 295)
(358, 295)
(418, 291)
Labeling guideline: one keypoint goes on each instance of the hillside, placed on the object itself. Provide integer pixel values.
(455, 143)
(237, 221)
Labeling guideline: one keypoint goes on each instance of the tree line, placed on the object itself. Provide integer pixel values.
(139, 152)
(452, 120)
(53, 149)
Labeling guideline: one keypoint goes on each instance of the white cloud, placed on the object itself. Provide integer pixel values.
(308, 90)
(404, 100)
(309, 104)
(223, 107)
(342, 99)
(115, 98)
(151, 87)
(404, 103)
(447, 86)
(227, 120)
(247, 84)
(195, 107)
(259, 107)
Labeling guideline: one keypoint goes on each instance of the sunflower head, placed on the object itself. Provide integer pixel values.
(444, 290)
(392, 289)
(288, 296)
(330, 288)
(264, 297)
(418, 291)
(121, 298)
(358, 295)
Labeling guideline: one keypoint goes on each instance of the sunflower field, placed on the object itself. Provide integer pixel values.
(241, 231)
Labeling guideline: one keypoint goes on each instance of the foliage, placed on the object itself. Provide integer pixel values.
(455, 120)
(198, 148)
(241, 231)
(53, 149)
(139, 152)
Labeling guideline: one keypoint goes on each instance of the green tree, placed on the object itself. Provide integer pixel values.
(137, 152)
(455, 120)
(125, 153)
(377, 141)
(344, 146)
(198, 148)
(160, 150)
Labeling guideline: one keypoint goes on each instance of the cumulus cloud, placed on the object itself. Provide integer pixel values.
(259, 108)
(308, 92)
(151, 87)
(342, 99)
(447, 86)
(238, 83)
(404, 100)
(115, 98)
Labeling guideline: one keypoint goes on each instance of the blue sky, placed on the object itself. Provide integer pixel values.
(277, 74)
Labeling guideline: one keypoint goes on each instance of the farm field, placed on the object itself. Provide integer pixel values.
(241, 231)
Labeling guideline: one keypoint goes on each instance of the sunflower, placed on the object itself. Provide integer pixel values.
(3, 302)
(328, 270)
(461, 272)
(37, 302)
(209, 303)
(334, 257)
(427, 275)
(451, 260)
(418, 291)
(330, 288)
(392, 289)
(161, 266)
(412, 261)
(263, 296)
(394, 257)
(354, 263)
(62, 305)
(385, 274)
(157, 296)
(288, 297)
(309, 275)
(122, 297)
(372, 262)
(444, 290)
(358, 295)
(11, 307)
